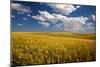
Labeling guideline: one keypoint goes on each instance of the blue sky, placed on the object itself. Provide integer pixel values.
(51, 17)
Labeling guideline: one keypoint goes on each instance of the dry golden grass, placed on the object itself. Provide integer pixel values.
(52, 47)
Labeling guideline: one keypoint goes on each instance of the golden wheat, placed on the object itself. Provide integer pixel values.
(56, 47)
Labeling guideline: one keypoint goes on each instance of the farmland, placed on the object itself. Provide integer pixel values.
(52, 47)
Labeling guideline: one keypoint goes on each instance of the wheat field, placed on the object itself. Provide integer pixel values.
(52, 47)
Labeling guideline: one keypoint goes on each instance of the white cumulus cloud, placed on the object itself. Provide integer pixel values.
(74, 23)
(20, 7)
(60, 21)
(64, 8)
